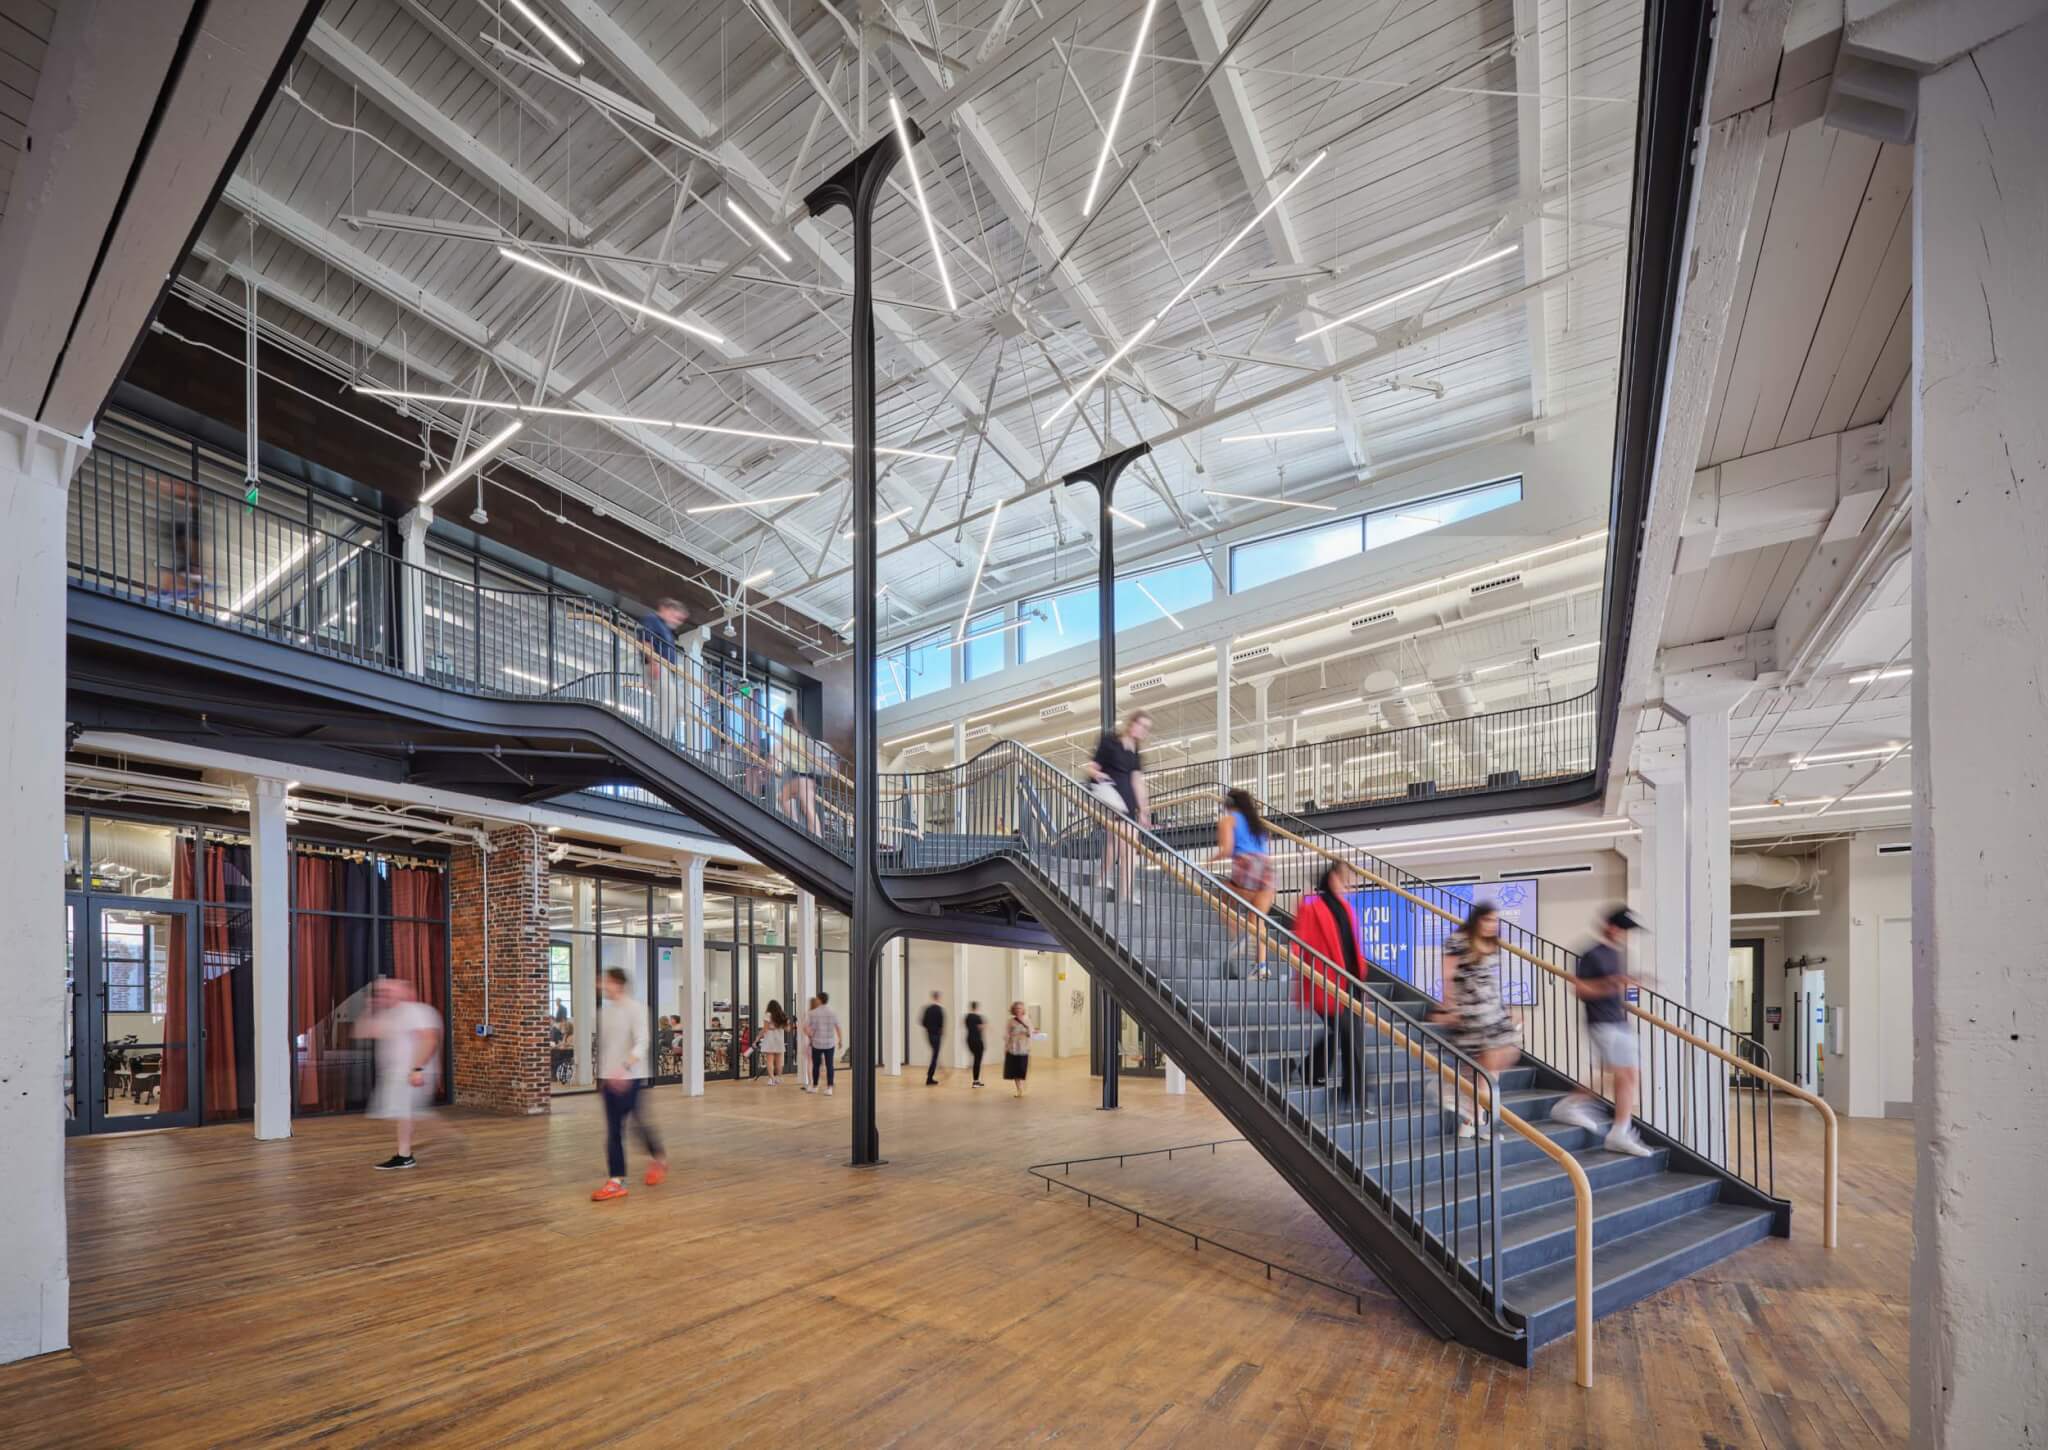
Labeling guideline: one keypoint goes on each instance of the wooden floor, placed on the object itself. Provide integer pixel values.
(227, 1292)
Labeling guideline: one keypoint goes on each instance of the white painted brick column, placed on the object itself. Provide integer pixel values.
(270, 951)
(1980, 742)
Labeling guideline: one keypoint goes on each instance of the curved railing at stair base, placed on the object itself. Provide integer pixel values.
(1702, 1084)
(332, 594)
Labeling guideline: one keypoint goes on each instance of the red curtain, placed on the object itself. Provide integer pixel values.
(172, 1096)
(416, 945)
(312, 970)
(220, 1088)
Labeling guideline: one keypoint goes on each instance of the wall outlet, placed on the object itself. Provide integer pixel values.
(483, 1029)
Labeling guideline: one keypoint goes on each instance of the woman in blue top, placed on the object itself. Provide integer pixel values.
(1242, 840)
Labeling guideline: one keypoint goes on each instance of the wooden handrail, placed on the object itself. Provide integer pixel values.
(1831, 1178)
(1482, 1090)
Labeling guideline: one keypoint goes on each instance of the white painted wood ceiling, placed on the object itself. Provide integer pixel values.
(413, 137)
(24, 38)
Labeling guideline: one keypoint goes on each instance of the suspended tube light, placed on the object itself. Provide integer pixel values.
(751, 503)
(470, 464)
(995, 517)
(1116, 113)
(1417, 290)
(616, 299)
(1277, 433)
(931, 230)
(760, 232)
(1292, 503)
(1186, 287)
(548, 32)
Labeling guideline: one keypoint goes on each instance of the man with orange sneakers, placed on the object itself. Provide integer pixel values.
(621, 1072)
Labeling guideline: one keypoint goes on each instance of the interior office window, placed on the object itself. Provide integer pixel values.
(983, 656)
(1053, 622)
(929, 664)
(1156, 593)
(1282, 556)
(1405, 521)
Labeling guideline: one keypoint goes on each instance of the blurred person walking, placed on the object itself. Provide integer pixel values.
(933, 1020)
(1017, 1047)
(977, 1044)
(1117, 775)
(821, 1027)
(1327, 924)
(800, 776)
(1244, 845)
(772, 1039)
(408, 1036)
(1602, 984)
(621, 1073)
(1477, 1021)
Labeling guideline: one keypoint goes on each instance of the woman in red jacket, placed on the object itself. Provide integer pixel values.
(1327, 925)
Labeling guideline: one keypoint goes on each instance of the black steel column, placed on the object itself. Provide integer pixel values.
(855, 186)
(1107, 1043)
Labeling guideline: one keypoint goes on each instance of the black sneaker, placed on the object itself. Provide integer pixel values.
(398, 1160)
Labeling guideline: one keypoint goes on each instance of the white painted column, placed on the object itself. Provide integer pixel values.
(412, 546)
(1176, 1080)
(1980, 531)
(895, 962)
(270, 951)
(1261, 733)
(959, 822)
(1223, 710)
(956, 1009)
(583, 977)
(1013, 986)
(1703, 701)
(1660, 959)
(35, 1285)
(693, 976)
(807, 970)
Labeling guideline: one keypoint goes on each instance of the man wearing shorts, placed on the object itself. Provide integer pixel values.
(1603, 986)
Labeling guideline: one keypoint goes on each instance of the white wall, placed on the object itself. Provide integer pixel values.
(1859, 892)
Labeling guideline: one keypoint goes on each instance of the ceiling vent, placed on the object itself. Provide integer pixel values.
(1506, 581)
(1055, 712)
(1149, 683)
(1368, 621)
(1555, 871)
(1897, 848)
(1258, 658)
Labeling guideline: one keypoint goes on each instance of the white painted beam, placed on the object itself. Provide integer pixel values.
(1226, 87)
(1529, 181)
(431, 124)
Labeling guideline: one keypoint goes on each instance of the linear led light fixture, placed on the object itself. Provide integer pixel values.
(1333, 705)
(548, 32)
(1394, 847)
(1417, 290)
(1541, 724)
(1825, 800)
(1116, 112)
(752, 503)
(896, 514)
(1134, 522)
(760, 232)
(1805, 762)
(1140, 583)
(757, 578)
(995, 517)
(1496, 669)
(1186, 287)
(607, 294)
(1321, 508)
(1596, 838)
(253, 591)
(472, 463)
(931, 230)
(1871, 676)
(585, 415)
(1000, 629)
(1570, 649)
(1277, 433)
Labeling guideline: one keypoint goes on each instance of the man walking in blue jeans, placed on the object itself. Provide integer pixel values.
(621, 1073)
(821, 1026)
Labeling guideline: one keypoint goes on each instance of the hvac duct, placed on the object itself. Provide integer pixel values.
(1773, 873)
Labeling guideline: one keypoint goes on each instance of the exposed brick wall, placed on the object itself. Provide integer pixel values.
(506, 1072)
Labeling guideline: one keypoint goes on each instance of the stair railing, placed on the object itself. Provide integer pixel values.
(1012, 801)
(1683, 1095)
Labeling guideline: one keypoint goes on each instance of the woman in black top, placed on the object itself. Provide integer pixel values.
(1117, 773)
(975, 1024)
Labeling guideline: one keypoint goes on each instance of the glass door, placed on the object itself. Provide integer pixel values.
(774, 981)
(1746, 999)
(721, 993)
(135, 1013)
(74, 1114)
(666, 953)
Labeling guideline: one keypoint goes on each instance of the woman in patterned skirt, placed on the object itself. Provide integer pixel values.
(1477, 1020)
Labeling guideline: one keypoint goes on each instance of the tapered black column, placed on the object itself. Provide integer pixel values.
(856, 186)
(1107, 1041)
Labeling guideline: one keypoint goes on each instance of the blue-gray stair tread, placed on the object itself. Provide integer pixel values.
(1617, 1212)
(1634, 1267)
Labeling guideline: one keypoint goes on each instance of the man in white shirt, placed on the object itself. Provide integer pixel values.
(408, 1036)
(621, 1072)
(821, 1026)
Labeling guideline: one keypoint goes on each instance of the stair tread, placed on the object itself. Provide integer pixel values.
(1555, 1285)
(1534, 1224)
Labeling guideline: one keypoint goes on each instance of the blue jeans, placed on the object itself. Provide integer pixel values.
(620, 1104)
(821, 1066)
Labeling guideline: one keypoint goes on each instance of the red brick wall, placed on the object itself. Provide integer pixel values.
(506, 1072)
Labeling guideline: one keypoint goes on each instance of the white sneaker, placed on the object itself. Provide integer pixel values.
(1466, 1129)
(1579, 1112)
(1624, 1140)
(828, 1092)
(807, 1087)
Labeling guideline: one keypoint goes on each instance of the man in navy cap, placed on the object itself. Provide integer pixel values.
(1602, 984)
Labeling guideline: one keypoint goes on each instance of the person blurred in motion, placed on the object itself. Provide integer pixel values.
(1602, 984)
(1116, 773)
(976, 1025)
(772, 1039)
(821, 1029)
(408, 1036)
(658, 630)
(1243, 844)
(1477, 1021)
(1017, 1047)
(798, 755)
(1327, 924)
(933, 1021)
(621, 1072)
